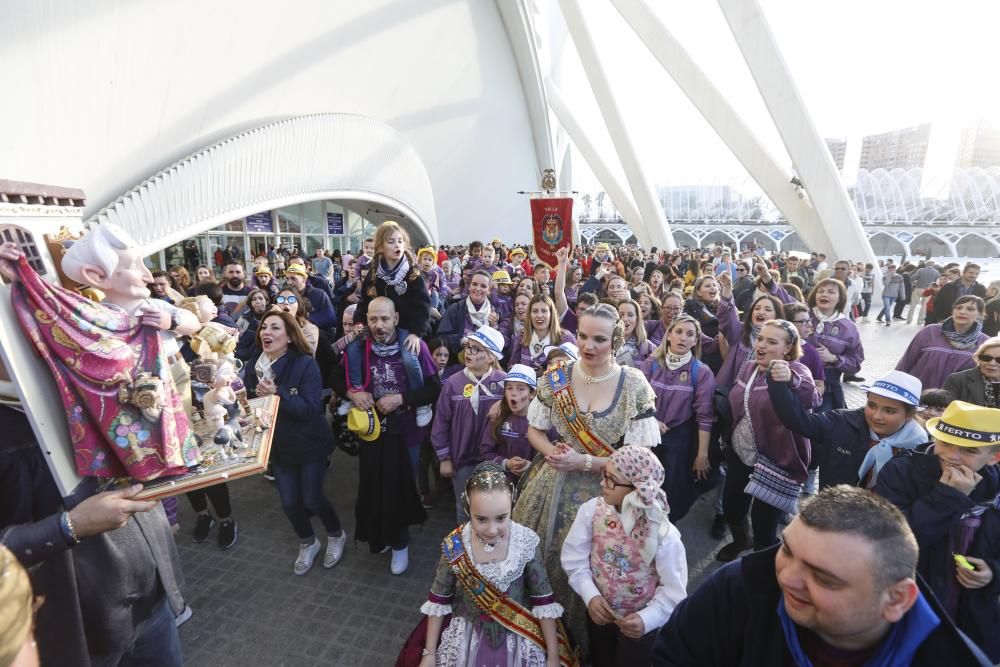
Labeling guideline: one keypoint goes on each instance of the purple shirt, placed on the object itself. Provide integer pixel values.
(520, 354)
(514, 436)
(656, 332)
(457, 429)
(931, 358)
(389, 377)
(787, 449)
(434, 279)
(677, 399)
(842, 339)
(569, 321)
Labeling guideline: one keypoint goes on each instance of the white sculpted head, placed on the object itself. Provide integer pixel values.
(109, 259)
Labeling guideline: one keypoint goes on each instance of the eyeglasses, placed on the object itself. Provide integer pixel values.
(290, 299)
(985, 358)
(473, 349)
(673, 309)
(607, 480)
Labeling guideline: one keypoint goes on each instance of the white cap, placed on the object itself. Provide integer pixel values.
(897, 385)
(522, 373)
(489, 338)
(569, 349)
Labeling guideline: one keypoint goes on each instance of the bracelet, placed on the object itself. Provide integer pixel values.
(424, 652)
(69, 531)
(588, 462)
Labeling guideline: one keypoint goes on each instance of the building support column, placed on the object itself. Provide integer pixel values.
(602, 170)
(653, 220)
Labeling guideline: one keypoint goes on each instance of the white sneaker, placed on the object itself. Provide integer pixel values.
(334, 549)
(425, 413)
(345, 407)
(400, 560)
(307, 554)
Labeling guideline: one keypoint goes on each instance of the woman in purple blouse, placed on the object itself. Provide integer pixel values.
(938, 350)
(836, 338)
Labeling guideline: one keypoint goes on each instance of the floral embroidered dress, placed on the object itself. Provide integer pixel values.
(473, 638)
(549, 499)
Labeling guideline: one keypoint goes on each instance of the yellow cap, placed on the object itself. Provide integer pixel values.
(430, 250)
(296, 270)
(518, 251)
(365, 423)
(501, 277)
(966, 425)
(263, 271)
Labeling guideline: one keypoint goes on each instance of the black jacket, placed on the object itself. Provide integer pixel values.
(731, 619)
(301, 433)
(968, 386)
(933, 510)
(839, 438)
(413, 306)
(947, 295)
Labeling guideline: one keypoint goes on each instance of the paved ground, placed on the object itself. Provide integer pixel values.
(249, 609)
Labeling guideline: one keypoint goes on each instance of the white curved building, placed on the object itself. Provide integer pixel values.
(108, 95)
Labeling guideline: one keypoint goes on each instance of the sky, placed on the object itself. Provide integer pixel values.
(861, 66)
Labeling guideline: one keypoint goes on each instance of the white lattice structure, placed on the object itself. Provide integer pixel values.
(278, 164)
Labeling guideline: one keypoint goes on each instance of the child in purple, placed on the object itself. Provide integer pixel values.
(433, 276)
(505, 439)
(462, 409)
(683, 386)
(542, 329)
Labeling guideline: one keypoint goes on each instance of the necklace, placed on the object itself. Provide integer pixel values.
(487, 547)
(594, 380)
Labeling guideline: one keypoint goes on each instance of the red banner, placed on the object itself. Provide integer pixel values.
(552, 226)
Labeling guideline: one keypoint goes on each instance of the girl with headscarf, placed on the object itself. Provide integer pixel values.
(626, 560)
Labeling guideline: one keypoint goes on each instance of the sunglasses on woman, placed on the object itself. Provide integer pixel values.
(985, 358)
(290, 300)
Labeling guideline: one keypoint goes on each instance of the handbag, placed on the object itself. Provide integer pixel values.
(772, 485)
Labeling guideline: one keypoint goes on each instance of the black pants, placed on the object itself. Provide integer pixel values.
(218, 494)
(610, 648)
(736, 504)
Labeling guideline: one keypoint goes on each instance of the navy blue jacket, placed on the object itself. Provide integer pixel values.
(840, 438)
(323, 314)
(451, 328)
(732, 619)
(933, 510)
(301, 433)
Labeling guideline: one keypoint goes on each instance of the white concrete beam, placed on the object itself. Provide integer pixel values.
(724, 120)
(809, 154)
(605, 174)
(653, 220)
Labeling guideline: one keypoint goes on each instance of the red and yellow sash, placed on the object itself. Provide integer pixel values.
(565, 402)
(497, 604)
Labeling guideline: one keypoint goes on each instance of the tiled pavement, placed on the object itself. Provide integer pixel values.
(249, 609)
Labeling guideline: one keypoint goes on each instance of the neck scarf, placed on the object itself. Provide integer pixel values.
(538, 344)
(752, 338)
(386, 349)
(909, 437)
(644, 511)
(896, 648)
(675, 361)
(518, 329)
(961, 341)
(263, 367)
(823, 320)
(991, 390)
(480, 317)
(477, 385)
(395, 277)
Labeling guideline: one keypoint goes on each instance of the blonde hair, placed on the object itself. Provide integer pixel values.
(660, 353)
(640, 325)
(555, 332)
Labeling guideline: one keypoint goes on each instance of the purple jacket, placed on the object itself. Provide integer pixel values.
(810, 359)
(656, 332)
(931, 357)
(523, 355)
(732, 328)
(434, 280)
(842, 339)
(514, 434)
(456, 431)
(786, 449)
(677, 397)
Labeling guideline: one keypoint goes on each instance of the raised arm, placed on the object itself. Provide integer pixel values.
(562, 267)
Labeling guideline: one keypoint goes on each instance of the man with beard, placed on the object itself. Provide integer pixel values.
(841, 589)
(234, 287)
(387, 494)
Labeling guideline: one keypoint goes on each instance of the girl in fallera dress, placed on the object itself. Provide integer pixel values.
(492, 555)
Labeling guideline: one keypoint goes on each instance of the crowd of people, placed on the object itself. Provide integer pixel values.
(572, 415)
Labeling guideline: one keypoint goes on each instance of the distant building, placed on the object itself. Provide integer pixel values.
(838, 151)
(902, 149)
(979, 146)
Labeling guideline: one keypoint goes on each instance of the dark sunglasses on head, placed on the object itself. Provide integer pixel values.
(282, 300)
(985, 358)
